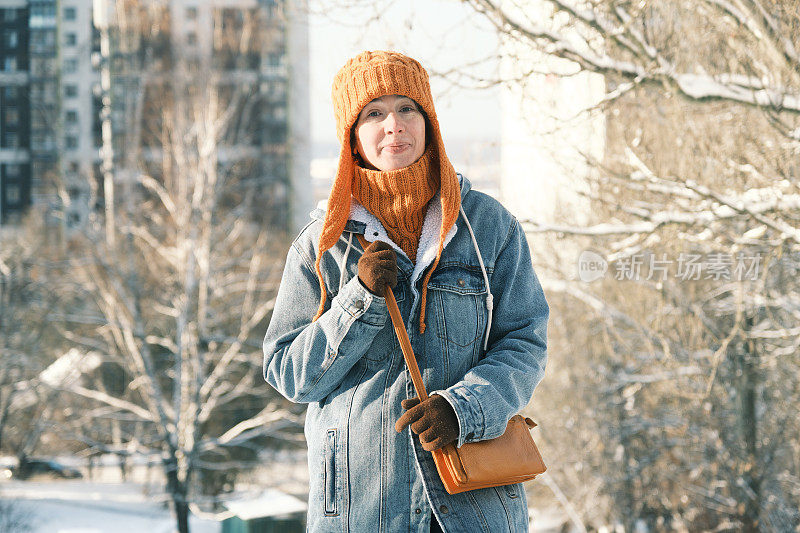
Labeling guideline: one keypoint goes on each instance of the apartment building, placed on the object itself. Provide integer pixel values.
(82, 88)
(15, 113)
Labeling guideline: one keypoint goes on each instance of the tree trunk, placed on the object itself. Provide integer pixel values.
(748, 363)
(5, 405)
(177, 491)
(182, 514)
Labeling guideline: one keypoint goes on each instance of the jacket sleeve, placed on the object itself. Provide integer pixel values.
(304, 360)
(503, 381)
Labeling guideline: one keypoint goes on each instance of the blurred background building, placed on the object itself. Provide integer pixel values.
(83, 84)
(550, 130)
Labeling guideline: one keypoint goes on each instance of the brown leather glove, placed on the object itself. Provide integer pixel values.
(434, 420)
(377, 267)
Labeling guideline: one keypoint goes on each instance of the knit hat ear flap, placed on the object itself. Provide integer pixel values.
(336, 215)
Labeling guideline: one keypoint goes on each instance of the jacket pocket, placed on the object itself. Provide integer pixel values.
(329, 483)
(460, 297)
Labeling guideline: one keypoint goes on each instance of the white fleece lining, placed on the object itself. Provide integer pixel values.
(428, 240)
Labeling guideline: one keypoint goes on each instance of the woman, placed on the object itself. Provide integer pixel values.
(460, 269)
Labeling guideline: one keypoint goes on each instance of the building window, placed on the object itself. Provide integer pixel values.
(41, 39)
(10, 64)
(43, 67)
(70, 13)
(70, 39)
(71, 142)
(10, 15)
(70, 66)
(37, 38)
(42, 13)
(191, 38)
(11, 117)
(12, 171)
(10, 39)
(9, 94)
(12, 194)
(191, 13)
(11, 140)
(70, 91)
(71, 116)
(73, 167)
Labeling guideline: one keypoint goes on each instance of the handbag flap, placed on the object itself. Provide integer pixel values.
(510, 455)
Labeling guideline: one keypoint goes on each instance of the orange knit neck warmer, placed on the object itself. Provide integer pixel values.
(399, 198)
(363, 78)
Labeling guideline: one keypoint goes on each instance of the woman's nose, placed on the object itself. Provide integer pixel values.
(392, 124)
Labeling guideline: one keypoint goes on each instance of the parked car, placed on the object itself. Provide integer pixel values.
(44, 467)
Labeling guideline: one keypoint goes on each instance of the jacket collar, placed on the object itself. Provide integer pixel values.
(363, 222)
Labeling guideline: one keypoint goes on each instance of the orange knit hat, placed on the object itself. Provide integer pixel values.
(363, 78)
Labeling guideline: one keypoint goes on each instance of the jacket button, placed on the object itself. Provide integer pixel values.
(461, 283)
(443, 509)
(359, 304)
(418, 510)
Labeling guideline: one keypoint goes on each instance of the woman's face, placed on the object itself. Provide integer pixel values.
(390, 133)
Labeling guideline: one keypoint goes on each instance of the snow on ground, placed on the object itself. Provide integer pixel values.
(108, 505)
(86, 507)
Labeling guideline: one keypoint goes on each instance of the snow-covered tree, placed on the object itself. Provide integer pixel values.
(687, 374)
(180, 270)
(29, 261)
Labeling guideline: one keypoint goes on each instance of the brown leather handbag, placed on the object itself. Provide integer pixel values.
(510, 458)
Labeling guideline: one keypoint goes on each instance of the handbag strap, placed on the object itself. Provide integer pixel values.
(402, 336)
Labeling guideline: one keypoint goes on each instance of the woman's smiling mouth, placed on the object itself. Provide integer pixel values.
(396, 148)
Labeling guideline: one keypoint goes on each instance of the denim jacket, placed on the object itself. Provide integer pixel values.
(485, 360)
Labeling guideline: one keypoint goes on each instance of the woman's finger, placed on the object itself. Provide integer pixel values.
(428, 436)
(409, 403)
(409, 417)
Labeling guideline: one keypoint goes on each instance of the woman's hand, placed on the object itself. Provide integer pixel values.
(433, 420)
(377, 267)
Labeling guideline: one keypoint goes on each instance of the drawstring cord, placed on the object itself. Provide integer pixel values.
(343, 268)
(489, 298)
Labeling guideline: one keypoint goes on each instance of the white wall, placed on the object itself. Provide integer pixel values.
(545, 129)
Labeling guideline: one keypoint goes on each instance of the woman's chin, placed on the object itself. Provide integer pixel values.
(396, 163)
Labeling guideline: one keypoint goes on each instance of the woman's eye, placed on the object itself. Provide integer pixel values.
(373, 113)
(407, 109)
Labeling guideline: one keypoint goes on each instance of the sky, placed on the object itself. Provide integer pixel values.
(440, 34)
